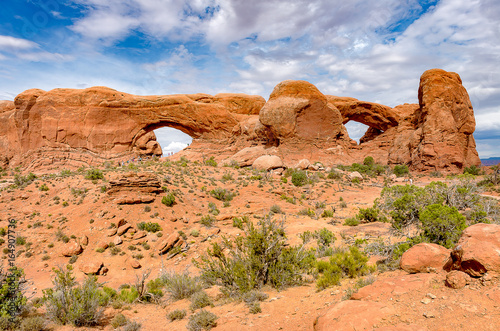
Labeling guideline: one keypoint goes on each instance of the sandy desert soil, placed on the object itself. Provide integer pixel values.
(76, 207)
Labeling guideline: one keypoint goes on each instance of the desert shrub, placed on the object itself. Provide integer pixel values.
(254, 308)
(106, 295)
(472, 170)
(168, 200)
(351, 221)
(368, 214)
(132, 326)
(238, 223)
(200, 300)
(349, 263)
(12, 289)
(275, 209)
(118, 320)
(33, 323)
(299, 178)
(43, 187)
(211, 162)
(94, 174)
(324, 239)
(180, 286)
(149, 227)
(254, 296)
(400, 170)
(390, 252)
(222, 194)
(177, 314)
(442, 225)
(70, 303)
(368, 161)
(257, 258)
(202, 320)
(334, 175)
(128, 295)
(21, 181)
(327, 213)
(208, 220)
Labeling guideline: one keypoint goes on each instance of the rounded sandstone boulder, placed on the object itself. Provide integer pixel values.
(425, 257)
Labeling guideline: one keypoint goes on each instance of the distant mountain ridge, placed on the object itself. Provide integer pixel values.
(491, 161)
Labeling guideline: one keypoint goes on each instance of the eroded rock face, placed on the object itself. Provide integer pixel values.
(478, 250)
(447, 122)
(90, 126)
(353, 315)
(425, 257)
(98, 124)
(298, 110)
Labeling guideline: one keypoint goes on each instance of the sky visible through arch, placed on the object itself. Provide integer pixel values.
(370, 50)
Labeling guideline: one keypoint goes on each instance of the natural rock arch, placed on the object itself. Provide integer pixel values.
(89, 126)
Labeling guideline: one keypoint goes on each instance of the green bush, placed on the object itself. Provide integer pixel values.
(202, 320)
(177, 314)
(368, 214)
(180, 286)
(94, 174)
(442, 225)
(43, 187)
(128, 295)
(149, 227)
(106, 295)
(34, 323)
(200, 300)
(168, 200)
(299, 178)
(472, 170)
(259, 257)
(352, 221)
(400, 170)
(70, 303)
(118, 320)
(21, 181)
(351, 263)
(208, 220)
(211, 162)
(222, 194)
(12, 288)
(368, 161)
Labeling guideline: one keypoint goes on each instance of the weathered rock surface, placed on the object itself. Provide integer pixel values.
(478, 250)
(132, 188)
(91, 267)
(425, 257)
(98, 124)
(71, 248)
(457, 279)
(267, 162)
(92, 125)
(353, 315)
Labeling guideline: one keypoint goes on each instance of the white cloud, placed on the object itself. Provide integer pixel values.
(8, 43)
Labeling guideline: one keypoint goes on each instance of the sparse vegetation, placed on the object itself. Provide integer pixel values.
(260, 257)
(70, 303)
(202, 320)
(94, 174)
(149, 227)
(168, 200)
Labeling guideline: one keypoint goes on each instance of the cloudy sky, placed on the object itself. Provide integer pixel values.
(370, 50)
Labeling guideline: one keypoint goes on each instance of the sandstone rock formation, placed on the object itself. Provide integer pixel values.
(425, 257)
(132, 187)
(90, 126)
(478, 250)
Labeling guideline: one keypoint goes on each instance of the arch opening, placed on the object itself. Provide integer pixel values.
(356, 130)
(171, 140)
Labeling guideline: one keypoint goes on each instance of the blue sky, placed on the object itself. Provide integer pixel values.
(370, 50)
